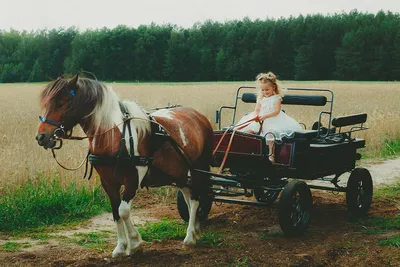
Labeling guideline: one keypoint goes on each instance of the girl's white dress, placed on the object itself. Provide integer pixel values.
(273, 128)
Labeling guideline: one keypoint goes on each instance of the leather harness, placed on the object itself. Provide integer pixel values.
(125, 158)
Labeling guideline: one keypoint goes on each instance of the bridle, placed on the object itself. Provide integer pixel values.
(59, 132)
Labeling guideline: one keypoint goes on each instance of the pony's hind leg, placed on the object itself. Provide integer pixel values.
(193, 229)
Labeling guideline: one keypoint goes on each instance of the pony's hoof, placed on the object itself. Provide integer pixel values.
(188, 244)
(119, 252)
(198, 235)
(136, 249)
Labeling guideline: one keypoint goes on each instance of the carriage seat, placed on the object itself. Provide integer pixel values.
(306, 135)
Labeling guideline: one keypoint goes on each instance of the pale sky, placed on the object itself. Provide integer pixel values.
(84, 14)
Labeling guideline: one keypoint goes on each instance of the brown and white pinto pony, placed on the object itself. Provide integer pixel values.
(96, 108)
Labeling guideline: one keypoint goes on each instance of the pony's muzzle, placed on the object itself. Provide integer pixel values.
(45, 140)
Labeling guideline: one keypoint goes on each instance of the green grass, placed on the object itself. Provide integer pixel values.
(264, 236)
(391, 149)
(93, 240)
(14, 246)
(388, 192)
(38, 204)
(174, 230)
(211, 239)
(166, 229)
(379, 225)
(393, 241)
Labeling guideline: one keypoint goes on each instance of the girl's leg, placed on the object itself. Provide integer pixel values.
(271, 145)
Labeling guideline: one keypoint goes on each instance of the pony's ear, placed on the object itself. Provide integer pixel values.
(72, 83)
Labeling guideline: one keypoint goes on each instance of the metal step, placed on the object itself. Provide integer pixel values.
(225, 182)
(241, 202)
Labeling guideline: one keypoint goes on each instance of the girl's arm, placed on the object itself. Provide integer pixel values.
(274, 113)
(257, 109)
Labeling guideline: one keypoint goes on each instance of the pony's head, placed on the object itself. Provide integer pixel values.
(64, 104)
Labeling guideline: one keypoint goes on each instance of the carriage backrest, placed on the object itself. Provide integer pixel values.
(307, 100)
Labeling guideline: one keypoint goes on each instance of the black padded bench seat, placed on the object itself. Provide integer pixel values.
(305, 134)
(306, 100)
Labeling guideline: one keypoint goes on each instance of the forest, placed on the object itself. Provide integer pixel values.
(348, 46)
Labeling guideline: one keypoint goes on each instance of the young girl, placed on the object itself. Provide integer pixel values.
(274, 123)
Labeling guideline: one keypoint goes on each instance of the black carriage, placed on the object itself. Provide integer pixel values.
(319, 153)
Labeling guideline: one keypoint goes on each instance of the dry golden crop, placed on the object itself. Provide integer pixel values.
(21, 157)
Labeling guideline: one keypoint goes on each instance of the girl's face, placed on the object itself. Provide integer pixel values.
(267, 89)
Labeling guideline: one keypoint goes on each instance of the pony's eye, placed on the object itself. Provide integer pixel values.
(59, 105)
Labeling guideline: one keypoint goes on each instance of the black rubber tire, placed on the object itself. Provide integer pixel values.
(295, 208)
(206, 202)
(265, 196)
(359, 192)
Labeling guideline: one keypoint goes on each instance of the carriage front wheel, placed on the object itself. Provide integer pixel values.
(295, 206)
(359, 192)
(203, 210)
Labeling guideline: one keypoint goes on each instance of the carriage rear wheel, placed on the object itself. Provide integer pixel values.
(203, 210)
(359, 192)
(295, 206)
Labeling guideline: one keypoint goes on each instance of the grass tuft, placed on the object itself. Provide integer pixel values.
(166, 229)
(393, 241)
(388, 192)
(379, 225)
(93, 240)
(14, 246)
(391, 148)
(174, 230)
(41, 203)
(211, 239)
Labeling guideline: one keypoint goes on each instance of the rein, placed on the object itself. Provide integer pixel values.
(235, 128)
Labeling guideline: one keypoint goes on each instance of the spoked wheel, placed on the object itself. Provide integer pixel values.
(203, 210)
(359, 192)
(295, 207)
(265, 196)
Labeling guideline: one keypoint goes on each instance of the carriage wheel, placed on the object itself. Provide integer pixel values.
(203, 210)
(295, 207)
(359, 192)
(265, 196)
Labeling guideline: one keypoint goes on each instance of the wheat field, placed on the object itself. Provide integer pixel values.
(22, 158)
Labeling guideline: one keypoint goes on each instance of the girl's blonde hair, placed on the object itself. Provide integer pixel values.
(264, 78)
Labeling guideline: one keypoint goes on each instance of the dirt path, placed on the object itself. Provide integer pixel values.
(385, 172)
(250, 237)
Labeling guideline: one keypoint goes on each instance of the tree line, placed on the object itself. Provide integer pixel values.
(347, 46)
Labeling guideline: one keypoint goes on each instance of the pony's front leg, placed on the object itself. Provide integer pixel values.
(112, 189)
(115, 199)
(122, 245)
(193, 230)
(133, 236)
(131, 185)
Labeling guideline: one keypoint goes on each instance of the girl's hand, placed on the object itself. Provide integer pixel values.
(261, 118)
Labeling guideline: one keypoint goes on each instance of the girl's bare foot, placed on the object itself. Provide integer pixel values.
(272, 158)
